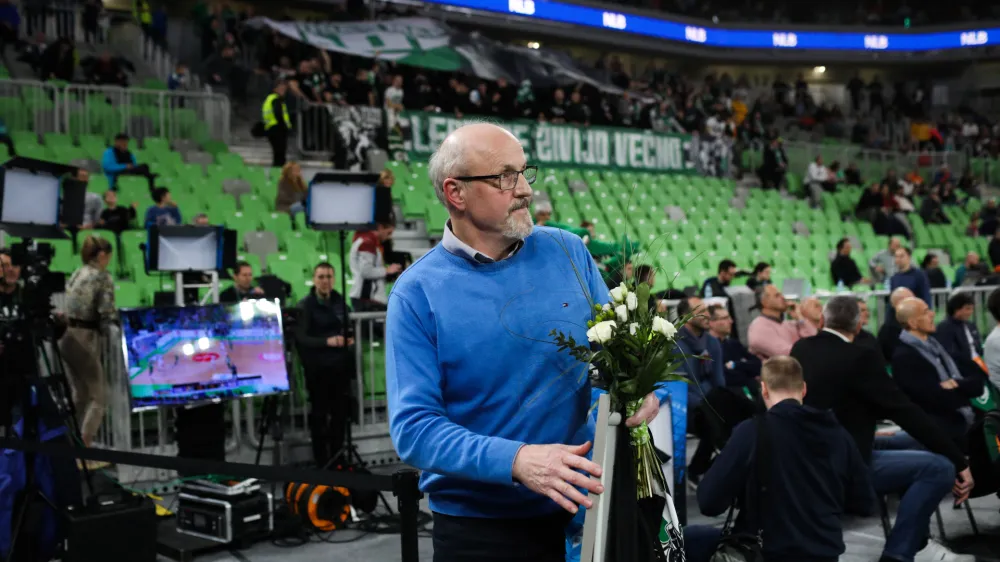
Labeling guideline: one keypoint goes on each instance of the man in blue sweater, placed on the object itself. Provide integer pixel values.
(910, 277)
(480, 399)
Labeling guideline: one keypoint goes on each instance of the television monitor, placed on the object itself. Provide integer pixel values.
(177, 356)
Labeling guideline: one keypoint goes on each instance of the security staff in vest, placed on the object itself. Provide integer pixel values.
(277, 123)
(143, 14)
(324, 346)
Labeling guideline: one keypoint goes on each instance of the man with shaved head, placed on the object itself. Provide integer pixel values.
(931, 377)
(479, 397)
(888, 334)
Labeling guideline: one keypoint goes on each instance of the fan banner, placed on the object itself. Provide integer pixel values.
(420, 133)
(429, 44)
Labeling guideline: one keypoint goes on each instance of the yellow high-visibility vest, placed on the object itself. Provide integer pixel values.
(267, 113)
(141, 12)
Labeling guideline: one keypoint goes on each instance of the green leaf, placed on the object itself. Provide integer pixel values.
(642, 295)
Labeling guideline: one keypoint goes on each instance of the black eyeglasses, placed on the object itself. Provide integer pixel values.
(507, 180)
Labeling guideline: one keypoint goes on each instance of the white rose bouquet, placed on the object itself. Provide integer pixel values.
(631, 351)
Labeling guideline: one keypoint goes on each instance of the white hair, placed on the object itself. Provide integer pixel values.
(446, 162)
(543, 207)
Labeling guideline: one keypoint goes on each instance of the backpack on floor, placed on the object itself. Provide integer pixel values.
(40, 523)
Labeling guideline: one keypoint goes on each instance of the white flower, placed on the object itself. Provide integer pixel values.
(586, 239)
(618, 293)
(631, 301)
(606, 307)
(622, 312)
(633, 328)
(663, 326)
(601, 332)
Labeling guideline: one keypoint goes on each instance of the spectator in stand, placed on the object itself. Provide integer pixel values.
(959, 336)
(870, 204)
(369, 270)
(714, 409)
(865, 337)
(852, 381)
(991, 349)
(741, 368)
(852, 175)
(179, 78)
(164, 212)
(243, 287)
(394, 101)
(843, 269)
(292, 191)
(277, 123)
(819, 175)
(932, 268)
(90, 20)
(774, 167)
(989, 215)
(931, 210)
(770, 335)
(716, 286)
(888, 334)
(58, 61)
(201, 219)
(118, 160)
(10, 23)
(994, 250)
(92, 203)
(114, 217)
(883, 264)
(818, 473)
(760, 276)
(225, 71)
(6, 140)
(972, 230)
(929, 375)
(107, 70)
(910, 277)
(971, 271)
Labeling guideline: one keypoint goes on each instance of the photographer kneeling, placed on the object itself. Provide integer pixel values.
(328, 363)
(90, 302)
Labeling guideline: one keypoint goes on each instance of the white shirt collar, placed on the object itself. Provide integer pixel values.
(454, 245)
(838, 334)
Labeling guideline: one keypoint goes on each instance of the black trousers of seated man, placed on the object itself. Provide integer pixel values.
(475, 539)
(713, 421)
(142, 171)
(330, 410)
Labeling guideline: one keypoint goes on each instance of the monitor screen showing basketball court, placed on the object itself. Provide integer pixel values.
(177, 356)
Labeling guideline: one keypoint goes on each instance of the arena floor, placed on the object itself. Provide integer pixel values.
(864, 538)
(173, 366)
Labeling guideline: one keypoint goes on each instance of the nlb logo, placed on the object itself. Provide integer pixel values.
(523, 7)
(973, 38)
(696, 34)
(614, 21)
(878, 42)
(783, 39)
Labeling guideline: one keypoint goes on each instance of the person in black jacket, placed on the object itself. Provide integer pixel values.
(959, 335)
(243, 287)
(324, 346)
(853, 382)
(864, 337)
(741, 368)
(817, 472)
(931, 378)
(843, 269)
(888, 334)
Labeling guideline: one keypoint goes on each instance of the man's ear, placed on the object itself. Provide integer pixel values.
(454, 194)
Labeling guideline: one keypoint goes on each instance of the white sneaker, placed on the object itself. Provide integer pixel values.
(937, 552)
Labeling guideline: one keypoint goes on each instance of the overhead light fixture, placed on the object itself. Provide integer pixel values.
(819, 70)
(533, 44)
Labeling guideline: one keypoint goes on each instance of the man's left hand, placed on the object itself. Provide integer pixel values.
(647, 412)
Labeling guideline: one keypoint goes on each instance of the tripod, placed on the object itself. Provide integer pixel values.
(34, 389)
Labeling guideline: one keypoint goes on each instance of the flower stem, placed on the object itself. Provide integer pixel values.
(648, 470)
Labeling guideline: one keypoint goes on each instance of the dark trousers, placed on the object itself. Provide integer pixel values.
(473, 539)
(712, 421)
(277, 137)
(329, 409)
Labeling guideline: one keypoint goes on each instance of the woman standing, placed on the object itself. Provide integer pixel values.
(90, 304)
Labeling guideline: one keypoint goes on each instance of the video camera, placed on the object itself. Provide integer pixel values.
(39, 284)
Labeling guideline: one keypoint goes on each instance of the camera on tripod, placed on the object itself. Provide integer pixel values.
(39, 284)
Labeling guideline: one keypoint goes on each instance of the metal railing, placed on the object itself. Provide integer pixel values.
(81, 109)
(151, 431)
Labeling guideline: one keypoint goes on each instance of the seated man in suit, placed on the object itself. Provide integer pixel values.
(888, 334)
(931, 378)
(959, 335)
(852, 381)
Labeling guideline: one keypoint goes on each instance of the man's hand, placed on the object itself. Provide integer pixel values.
(335, 341)
(650, 407)
(350, 341)
(393, 268)
(963, 486)
(949, 384)
(551, 470)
